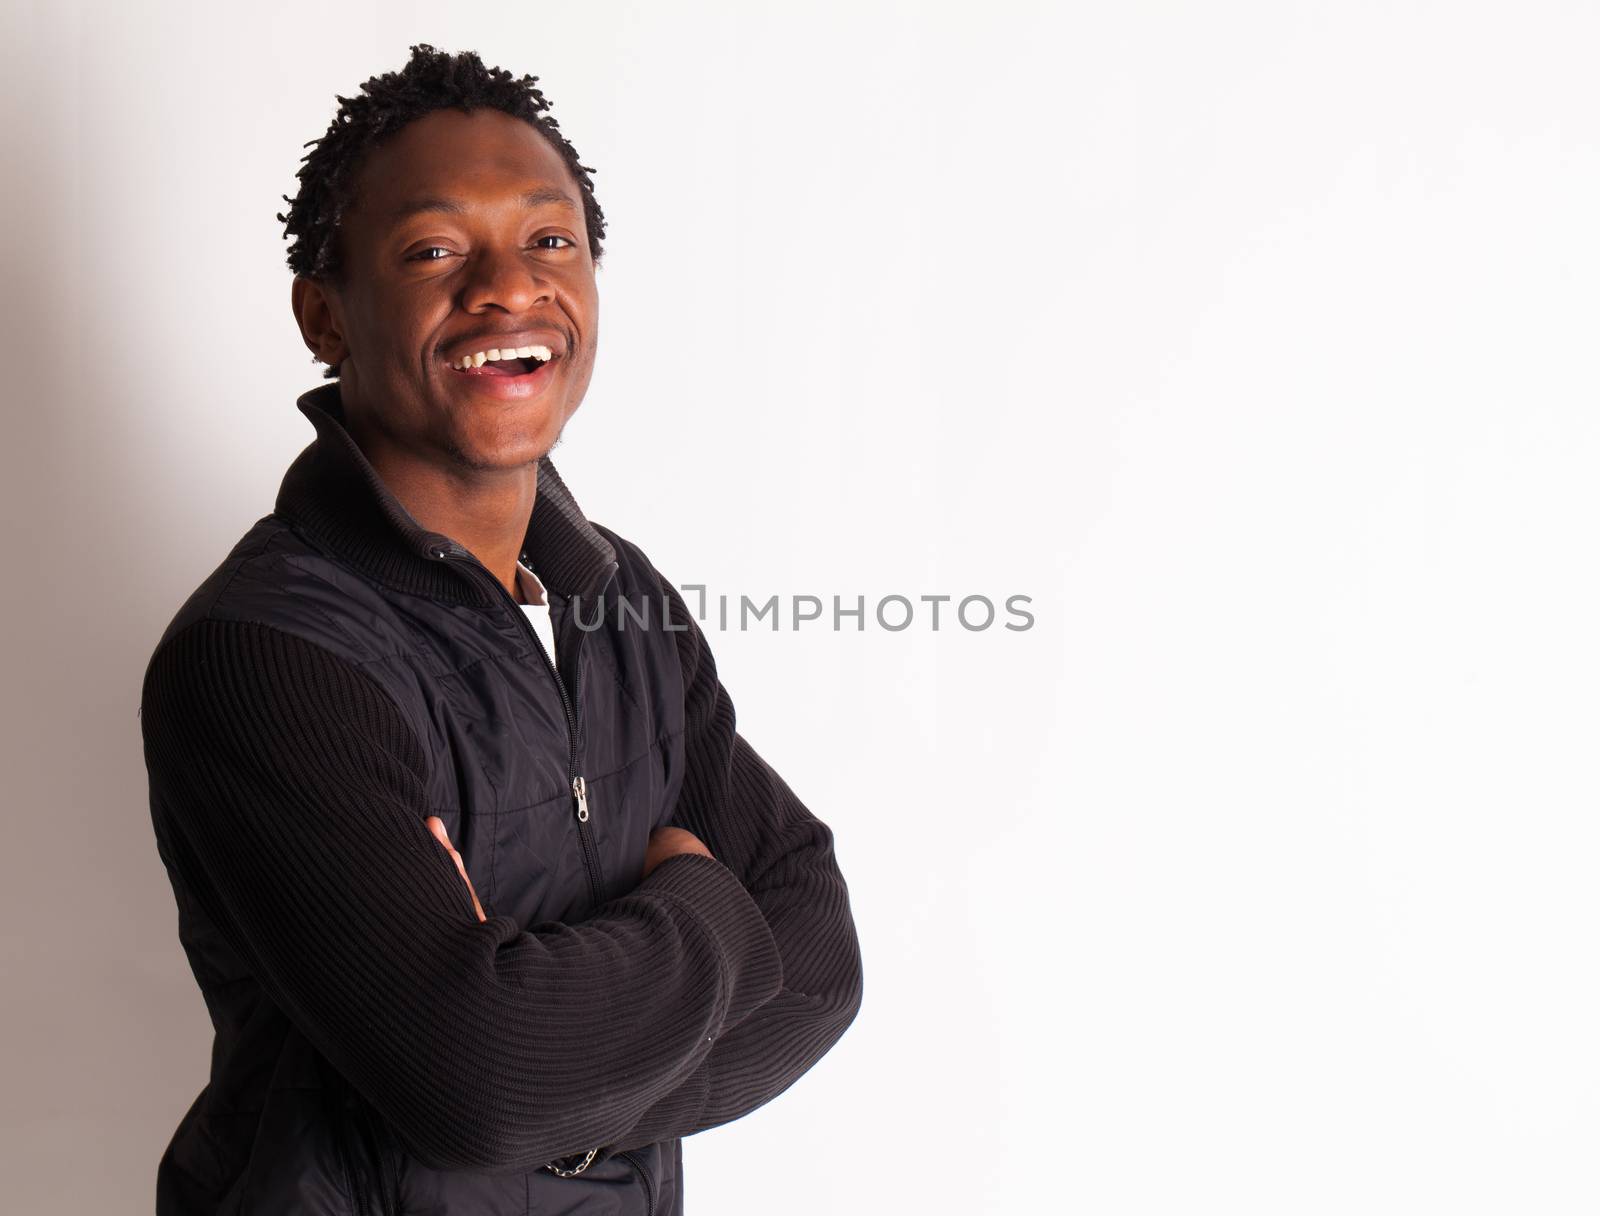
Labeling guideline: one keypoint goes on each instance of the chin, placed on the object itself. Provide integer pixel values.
(510, 451)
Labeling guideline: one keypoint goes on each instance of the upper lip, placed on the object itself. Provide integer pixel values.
(511, 340)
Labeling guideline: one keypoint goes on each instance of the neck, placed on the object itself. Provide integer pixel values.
(485, 510)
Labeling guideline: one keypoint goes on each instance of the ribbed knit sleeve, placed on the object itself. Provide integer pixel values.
(753, 822)
(290, 789)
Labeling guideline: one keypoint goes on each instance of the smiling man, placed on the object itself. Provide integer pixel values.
(486, 921)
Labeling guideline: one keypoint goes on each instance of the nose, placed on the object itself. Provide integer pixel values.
(505, 278)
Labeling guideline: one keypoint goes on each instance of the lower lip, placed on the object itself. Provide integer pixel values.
(507, 388)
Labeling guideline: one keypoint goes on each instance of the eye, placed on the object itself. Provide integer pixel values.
(422, 254)
(552, 236)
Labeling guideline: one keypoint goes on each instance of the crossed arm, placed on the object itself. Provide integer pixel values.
(783, 856)
(734, 802)
(289, 792)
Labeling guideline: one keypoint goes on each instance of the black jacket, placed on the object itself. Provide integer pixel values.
(342, 675)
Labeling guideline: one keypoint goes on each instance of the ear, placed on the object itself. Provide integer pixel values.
(316, 309)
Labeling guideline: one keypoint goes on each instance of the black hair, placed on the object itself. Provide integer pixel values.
(432, 80)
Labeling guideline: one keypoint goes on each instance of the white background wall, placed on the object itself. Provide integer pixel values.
(1254, 341)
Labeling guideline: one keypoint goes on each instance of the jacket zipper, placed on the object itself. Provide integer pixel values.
(644, 1181)
(355, 1179)
(575, 782)
(353, 1143)
(388, 1181)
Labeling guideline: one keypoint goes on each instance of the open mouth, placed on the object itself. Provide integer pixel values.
(503, 365)
(508, 375)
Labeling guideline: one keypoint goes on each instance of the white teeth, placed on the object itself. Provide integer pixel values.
(543, 353)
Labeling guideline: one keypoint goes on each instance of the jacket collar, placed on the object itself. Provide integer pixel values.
(334, 496)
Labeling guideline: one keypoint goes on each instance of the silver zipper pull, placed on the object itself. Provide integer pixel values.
(581, 793)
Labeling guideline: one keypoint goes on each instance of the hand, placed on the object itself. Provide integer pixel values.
(668, 842)
(436, 826)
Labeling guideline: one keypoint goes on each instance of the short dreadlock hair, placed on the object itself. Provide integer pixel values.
(432, 80)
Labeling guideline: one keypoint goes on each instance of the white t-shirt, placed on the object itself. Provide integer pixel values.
(531, 592)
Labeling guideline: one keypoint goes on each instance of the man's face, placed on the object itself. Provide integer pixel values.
(466, 235)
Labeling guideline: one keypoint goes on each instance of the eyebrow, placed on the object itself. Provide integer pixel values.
(542, 197)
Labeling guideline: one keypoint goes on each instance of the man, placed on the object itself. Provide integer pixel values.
(481, 929)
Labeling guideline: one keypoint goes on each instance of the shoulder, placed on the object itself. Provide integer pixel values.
(635, 570)
(638, 575)
(280, 623)
(640, 579)
(274, 578)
